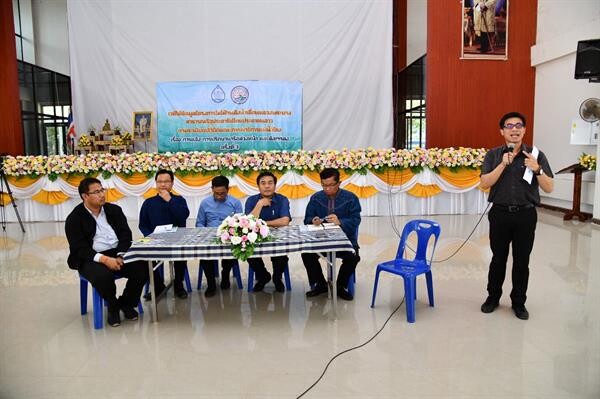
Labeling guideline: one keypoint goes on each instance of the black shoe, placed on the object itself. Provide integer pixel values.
(342, 293)
(225, 284)
(279, 287)
(318, 290)
(181, 293)
(260, 284)
(210, 291)
(130, 313)
(521, 312)
(114, 318)
(489, 305)
(148, 295)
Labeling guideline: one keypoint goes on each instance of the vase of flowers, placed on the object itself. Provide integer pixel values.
(587, 161)
(243, 233)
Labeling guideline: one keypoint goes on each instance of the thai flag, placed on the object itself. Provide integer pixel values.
(71, 130)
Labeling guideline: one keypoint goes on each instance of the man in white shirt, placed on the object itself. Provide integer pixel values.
(98, 236)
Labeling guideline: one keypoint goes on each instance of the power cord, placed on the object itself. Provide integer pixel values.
(398, 233)
(351, 349)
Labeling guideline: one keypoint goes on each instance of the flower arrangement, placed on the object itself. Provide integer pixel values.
(84, 141)
(202, 162)
(587, 161)
(126, 136)
(116, 140)
(243, 232)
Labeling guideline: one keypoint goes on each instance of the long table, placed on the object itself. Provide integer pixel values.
(200, 243)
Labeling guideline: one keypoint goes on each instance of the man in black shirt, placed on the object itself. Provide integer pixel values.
(514, 173)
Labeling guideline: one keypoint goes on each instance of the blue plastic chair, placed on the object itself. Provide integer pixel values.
(286, 277)
(236, 274)
(410, 269)
(97, 302)
(161, 270)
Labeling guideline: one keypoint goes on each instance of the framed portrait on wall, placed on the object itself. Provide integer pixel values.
(484, 29)
(142, 125)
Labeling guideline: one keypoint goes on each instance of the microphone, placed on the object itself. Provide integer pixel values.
(509, 147)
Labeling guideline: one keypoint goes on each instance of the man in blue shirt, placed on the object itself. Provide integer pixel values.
(213, 210)
(165, 208)
(274, 209)
(342, 208)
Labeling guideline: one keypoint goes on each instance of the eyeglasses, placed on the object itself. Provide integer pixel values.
(510, 126)
(102, 190)
(330, 185)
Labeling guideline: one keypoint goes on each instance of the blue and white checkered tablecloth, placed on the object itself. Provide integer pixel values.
(200, 243)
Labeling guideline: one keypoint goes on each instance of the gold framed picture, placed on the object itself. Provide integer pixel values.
(484, 30)
(142, 125)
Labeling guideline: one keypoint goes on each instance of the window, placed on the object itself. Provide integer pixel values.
(410, 126)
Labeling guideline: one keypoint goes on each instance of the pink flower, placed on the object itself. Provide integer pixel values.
(224, 237)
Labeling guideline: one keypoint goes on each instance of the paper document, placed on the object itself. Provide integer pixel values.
(330, 226)
(528, 175)
(165, 228)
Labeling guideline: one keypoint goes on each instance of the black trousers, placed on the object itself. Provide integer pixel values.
(315, 273)
(258, 265)
(179, 266)
(208, 266)
(103, 279)
(518, 229)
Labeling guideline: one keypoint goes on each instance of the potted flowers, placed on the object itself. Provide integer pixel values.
(243, 232)
(587, 161)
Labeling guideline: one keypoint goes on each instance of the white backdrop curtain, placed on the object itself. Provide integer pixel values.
(340, 49)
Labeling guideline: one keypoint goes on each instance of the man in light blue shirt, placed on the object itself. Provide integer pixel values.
(213, 210)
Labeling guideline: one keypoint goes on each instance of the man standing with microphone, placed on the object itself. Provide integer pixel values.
(514, 173)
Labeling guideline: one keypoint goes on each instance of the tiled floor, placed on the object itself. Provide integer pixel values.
(271, 345)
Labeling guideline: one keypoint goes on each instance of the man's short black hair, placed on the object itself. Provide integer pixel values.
(164, 172)
(330, 172)
(220, 181)
(85, 184)
(512, 115)
(263, 174)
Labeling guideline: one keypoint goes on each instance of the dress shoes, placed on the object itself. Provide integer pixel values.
(130, 313)
(521, 312)
(180, 292)
(210, 291)
(489, 305)
(260, 285)
(342, 293)
(318, 290)
(148, 295)
(114, 318)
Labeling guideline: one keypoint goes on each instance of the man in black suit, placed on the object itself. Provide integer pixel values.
(98, 236)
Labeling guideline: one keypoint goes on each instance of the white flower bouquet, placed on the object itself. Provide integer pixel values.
(243, 232)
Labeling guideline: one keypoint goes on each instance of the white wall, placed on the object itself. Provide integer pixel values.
(560, 24)
(50, 26)
(416, 30)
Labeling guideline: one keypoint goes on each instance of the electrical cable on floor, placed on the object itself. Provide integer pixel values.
(397, 231)
(350, 349)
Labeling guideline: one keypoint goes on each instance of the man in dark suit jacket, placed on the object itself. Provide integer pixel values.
(98, 236)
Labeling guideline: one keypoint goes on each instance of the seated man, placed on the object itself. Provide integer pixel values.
(340, 207)
(98, 235)
(165, 208)
(274, 209)
(213, 210)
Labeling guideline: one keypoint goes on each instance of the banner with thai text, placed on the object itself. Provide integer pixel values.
(229, 116)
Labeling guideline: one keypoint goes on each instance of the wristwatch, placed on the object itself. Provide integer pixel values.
(539, 172)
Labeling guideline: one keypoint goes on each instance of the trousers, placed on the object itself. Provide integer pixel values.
(506, 229)
(103, 280)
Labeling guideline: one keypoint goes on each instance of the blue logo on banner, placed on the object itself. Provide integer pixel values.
(218, 95)
(239, 94)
